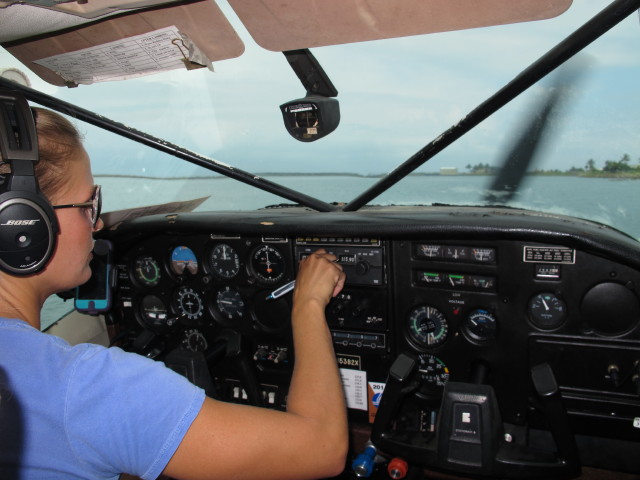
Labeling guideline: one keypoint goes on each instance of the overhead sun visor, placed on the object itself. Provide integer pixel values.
(202, 22)
(92, 9)
(282, 25)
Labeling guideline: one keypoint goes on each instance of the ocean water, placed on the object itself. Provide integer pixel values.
(615, 202)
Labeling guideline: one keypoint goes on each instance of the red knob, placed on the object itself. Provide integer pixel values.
(397, 468)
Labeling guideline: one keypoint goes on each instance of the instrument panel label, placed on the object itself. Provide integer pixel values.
(349, 361)
(354, 384)
(374, 391)
(536, 254)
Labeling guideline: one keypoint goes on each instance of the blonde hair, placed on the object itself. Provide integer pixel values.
(58, 144)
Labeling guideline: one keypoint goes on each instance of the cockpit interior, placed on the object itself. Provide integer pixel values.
(494, 339)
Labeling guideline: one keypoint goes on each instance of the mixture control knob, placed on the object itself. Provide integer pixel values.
(397, 468)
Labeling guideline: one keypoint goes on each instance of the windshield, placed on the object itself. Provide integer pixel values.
(395, 97)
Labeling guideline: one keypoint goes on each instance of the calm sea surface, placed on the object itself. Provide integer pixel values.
(611, 201)
(615, 202)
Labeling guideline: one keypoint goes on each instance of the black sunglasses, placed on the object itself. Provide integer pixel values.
(95, 203)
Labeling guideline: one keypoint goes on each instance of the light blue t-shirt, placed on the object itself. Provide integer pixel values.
(85, 411)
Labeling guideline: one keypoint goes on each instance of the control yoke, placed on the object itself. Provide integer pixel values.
(469, 436)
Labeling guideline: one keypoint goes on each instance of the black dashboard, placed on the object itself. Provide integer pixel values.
(475, 296)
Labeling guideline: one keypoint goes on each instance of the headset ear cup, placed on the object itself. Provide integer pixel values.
(28, 233)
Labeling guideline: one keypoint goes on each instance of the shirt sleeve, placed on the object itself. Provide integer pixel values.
(125, 413)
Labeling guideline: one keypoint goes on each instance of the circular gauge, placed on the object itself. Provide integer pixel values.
(480, 326)
(433, 373)
(270, 315)
(427, 326)
(183, 260)
(230, 303)
(189, 303)
(610, 308)
(194, 341)
(154, 311)
(267, 264)
(225, 261)
(547, 311)
(147, 271)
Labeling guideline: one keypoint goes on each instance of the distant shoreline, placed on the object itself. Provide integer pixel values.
(597, 174)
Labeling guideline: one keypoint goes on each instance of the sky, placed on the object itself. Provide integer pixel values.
(395, 96)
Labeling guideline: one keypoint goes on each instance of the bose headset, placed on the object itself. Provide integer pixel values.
(28, 224)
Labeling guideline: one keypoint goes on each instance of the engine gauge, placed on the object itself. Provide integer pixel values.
(267, 264)
(547, 311)
(432, 370)
(183, 260)
(480, 326)
(229, 303)
(154, 311)
(427, 326)
(189, 303)
(225, 261)
(194, 341)
(147, 271)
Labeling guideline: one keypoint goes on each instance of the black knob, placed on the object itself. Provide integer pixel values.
(362, 268)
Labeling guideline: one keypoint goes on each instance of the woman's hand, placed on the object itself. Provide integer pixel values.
(319, 279)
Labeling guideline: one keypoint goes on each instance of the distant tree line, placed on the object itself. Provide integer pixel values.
(482, 169)
(622, 167)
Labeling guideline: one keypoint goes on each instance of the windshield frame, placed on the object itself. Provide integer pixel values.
(608, 18)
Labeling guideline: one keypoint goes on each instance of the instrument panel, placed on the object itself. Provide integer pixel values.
(470, 308)
(204, 281)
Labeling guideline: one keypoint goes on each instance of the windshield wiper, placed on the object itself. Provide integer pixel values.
(574, 43)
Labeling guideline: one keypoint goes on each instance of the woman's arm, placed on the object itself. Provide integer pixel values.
(310, 439)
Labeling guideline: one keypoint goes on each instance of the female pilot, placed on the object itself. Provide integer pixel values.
(91, 412)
